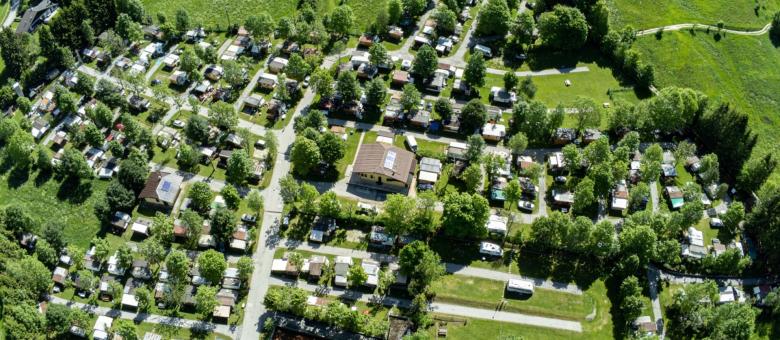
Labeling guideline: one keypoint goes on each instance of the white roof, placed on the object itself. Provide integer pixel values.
(269, 76)
(520, 284)
(103, 323)
(140, 228)
(384, 139)
(458, 145)
(497, 224)
(695, 236)
(279, 265)
(280, 61)
(490, 248)
(344, 260)
(129, 300)
(619, 203)
(430, 177)
(491, 129)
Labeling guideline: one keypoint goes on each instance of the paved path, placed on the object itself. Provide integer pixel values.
(652, 278)
(678, 27)
(248, 89)
(654, 196)
(9, 19)
(403, 52)
(443, 308)
(547, 72)
(224, 47)
(734, 281)
(457, 269)
(150, 318)
(457, 58)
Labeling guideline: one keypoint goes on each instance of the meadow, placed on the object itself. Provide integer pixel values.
(741, 70)
(742, 14)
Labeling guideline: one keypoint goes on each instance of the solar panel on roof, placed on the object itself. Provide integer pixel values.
(390, 159)
(166, 186)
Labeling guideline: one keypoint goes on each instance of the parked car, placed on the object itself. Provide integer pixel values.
(525, 205)
(247, 218)
(560, 179)
(306, 81)
(286, 220)
(492, 249)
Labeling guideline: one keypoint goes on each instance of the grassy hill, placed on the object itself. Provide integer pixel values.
(654, 13)
(223, 12)
(738, 69)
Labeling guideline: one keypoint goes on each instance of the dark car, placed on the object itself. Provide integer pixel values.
(247, 218)
(560, 179)
(156, 82)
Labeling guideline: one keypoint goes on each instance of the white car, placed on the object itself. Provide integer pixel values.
(492, 249)
(178, 123)
(406, 64)
(525, 205)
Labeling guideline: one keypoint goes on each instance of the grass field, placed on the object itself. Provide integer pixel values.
(41, 200)
(737, 69)
(211, 13)
(487, 294)
(221, 13)
(738, 14)
(600, 327)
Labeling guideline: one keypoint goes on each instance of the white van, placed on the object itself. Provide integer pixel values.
(520, 286)
(411, 142)
(486, 51)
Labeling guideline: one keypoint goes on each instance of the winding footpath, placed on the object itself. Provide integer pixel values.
(678, 27)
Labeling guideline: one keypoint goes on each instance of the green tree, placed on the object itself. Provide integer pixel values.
(212, 265)
(474, 73)
(128, 29)
(348, 87)
(239, 166)
(422, 265)
(709, 172)
(223, 115)
(378, 54)
(305, 155)
(584, 196)
(376, 91)
(245, 267)
(322, 82)
(510, 80)
(443, 108)
(398, 214)
(182, 21)
(588, 114)
(197, 129)
(445, 20)
(563, 28)
(289, 189)
(17, 51)
(734, 215)
(153, 251)
(19, 149)
(522, 28)
(394, 11)
(206, 300)
(261, 26)
(73, 165)
(134, 171)
(255, 202)
(200, 196)
(329, 205)
(473, 116)
(223, 224)
(188, 158)
(297, 68)
(341, 20)
(425, 62)
(472, 177)
(517, 143)
(494, 19)
(178, 266)
(465, 216)
(232, 199)
(410, 97)
(22, 321)
(126, 329)
(414, 8)
(356, 276)
(755, 173)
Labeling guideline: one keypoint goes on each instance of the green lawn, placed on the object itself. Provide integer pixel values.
(349, 153)
(737, 69)
(220, 12)
(400, 141)
(42, 201)
(172, 332)
(599, 328)
(487, 294)
(551, 90)
(652, 13)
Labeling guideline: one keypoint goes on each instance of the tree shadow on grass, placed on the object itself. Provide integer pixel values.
(18, 176)
(618, 321)
(42, 177)
(74, 191)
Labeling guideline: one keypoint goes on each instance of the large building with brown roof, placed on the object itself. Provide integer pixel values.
(385, 165)
(161, 188)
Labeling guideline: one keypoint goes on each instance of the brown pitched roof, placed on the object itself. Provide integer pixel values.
(150, 188)
(386, 160)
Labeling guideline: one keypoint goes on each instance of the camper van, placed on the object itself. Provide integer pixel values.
(520, 286)
(484, 49)
(411, 142)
